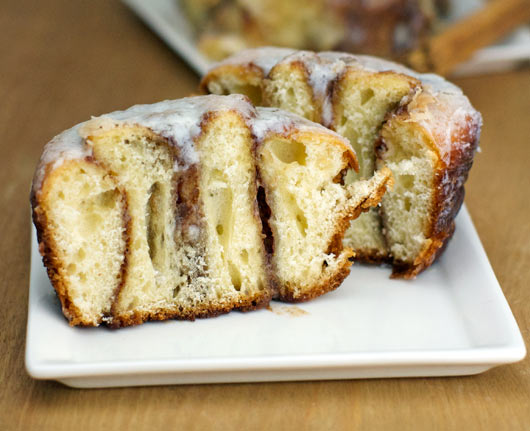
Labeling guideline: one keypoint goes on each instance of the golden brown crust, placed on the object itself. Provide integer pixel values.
(188, 210)
(364, 255)
(53, 265)
(255, 302)
(300, 69)
(323, 285)
(336, 247)
(371, 256)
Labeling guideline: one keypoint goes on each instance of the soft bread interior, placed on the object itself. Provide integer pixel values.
(407, 207)
(237, 80)
(310, 209)
(362, 102)
(287, 88)
(84, 211)
(143, 167)
(298, 173)
(234, 244)
(198, 257)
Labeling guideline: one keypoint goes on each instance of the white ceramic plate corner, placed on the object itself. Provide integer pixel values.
(452, 320)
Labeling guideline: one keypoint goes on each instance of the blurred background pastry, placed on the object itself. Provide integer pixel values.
(386, 28)
(428, 35)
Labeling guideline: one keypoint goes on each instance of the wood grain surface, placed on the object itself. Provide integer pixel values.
(64, 60)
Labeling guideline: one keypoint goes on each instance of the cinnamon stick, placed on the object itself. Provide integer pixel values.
(442, 52)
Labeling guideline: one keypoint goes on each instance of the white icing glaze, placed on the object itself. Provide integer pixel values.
(274, 120)
(179, 121)
(63, 147)
(445, 117)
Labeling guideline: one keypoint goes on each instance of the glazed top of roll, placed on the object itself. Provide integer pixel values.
(178, 121)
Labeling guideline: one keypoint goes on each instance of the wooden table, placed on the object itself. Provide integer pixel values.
(62, 61)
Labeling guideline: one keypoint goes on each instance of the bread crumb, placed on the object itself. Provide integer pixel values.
(288, 310)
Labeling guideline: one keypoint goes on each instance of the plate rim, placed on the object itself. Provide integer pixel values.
(512, 350)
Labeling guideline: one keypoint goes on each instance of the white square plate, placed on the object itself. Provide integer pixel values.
(166, 19)
(452, 320)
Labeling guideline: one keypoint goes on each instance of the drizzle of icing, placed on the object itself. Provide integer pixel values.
(179, 121)
(176, 120)
(63, 147)
(275, 120)
(322, 69)
(445, 117)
